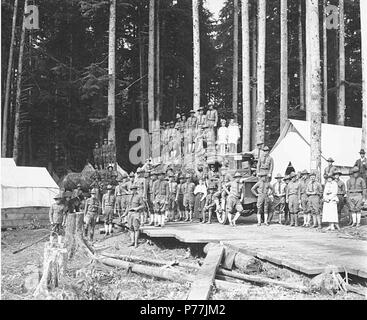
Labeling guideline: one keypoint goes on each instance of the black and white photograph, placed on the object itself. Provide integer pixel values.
(197, 152)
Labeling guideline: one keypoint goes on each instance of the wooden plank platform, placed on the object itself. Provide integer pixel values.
(204, 279)
(309, 251)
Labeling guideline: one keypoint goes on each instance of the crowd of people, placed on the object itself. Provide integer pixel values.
(155, 197)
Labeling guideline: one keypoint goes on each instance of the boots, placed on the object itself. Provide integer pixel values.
(136, 238)
(296, 220)
(319, 222)
(354, 218)
(292, 220)
(266, 218)
(258, 220)
(132, 238)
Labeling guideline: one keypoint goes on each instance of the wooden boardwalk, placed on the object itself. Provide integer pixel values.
(309, 251)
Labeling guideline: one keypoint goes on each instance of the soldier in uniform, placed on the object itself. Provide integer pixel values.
(356, 194)
(122, 191)
(57, 219)
(314, 192)
(263, 191)
(209, 204)
(189, 197)
(221, 195)
(235, 198)
(201, 119)
(286, 206)
(135, 206)
(265, 163)
(108, 205)
(161, 192)
(97, 156)
(293, 199)
(172, 193)
(330, 169)
(212, 117)
(279, 198)
(91, 211)
(304, 198)
(191, 131)
(105, 155)
(152, 180)
(179, 198)
(341, 194)
(361, 164)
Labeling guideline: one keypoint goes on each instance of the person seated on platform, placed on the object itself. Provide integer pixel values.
(209, 204)
(263, 191)
(200, 193)
(222, 141)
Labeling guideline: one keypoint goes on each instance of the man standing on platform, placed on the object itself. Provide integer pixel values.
(341, 194)
(304, 198)
(263, 191)
(172, 193)
(314, 192)
(279, 189)
(191, 131)
(212, 117)
(160, 193)
(105, 156)
(235, 198)
(108, 205)
(361, 164)
(121, 195)
(293, 200)
(189, 197)
(356, 194)
(91, 211)
(330, 169)
(265, 163)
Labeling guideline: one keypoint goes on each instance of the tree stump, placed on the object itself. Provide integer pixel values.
(54, 264)
(74, 233)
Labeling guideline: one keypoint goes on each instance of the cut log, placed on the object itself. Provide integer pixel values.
(262, 280)
(228, 258)
(200, 289)
(70, 229)
(54, 264)
(246, 263)
(230, 286)
(148, 271)
(150, 261)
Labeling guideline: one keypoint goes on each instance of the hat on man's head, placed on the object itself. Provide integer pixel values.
(131, 175)
(109, 187)
(200, 109)
(338, 171)
(279, 176)
(261, 174)
(192, 111)
(330, 160)
(313, 173)
(286, 178)
(355, 170)
(238, 175)
(178, 116)
(362, 151)
(266, 148)
(304, 172)
(133, 187)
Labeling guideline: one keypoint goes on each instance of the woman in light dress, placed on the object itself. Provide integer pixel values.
(200, 193)
(330, 208)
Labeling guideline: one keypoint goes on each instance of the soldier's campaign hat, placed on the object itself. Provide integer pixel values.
(266, 148)
(338, 172)
(93, 191)
(330, 160)
(238, 175)
(131, 174)
(109, 187)
(313, 173)
(134, 186)
(362, 151)
(292, 175)
(192, 111)
(304, 172)
(330, 176)
(286, 178)
(178, 116)
(211, 187)
(261, 174)
(181, 177)
(279, 176)
(58, 196)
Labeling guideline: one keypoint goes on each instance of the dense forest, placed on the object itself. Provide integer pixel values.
(63, 101)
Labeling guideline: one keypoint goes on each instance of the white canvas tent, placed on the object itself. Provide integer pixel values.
(26, 187)
(293, 146)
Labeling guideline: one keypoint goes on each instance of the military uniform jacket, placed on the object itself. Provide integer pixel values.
(56, 213)
(293, 188)
(262, 188)
(329, 170)
(191, 122)
(341, 187)
(91, 206)
(303, 186)
(108, 201)
(266, 163)
(362, 166)
(97, 153)
(105, 150)
(180, 190)
(279, 189)
(172, 188)
(160, 188)
(314, 188)
(235, 189)
(188, 188)
(135, 201)
(356, 185)
(212, 117)
(201, 121)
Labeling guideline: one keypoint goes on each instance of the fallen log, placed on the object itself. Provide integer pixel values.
(47, 236)
(160, 273)
(262, 280)
(356, 290)
(226, 285)
(246, 263)
(150, 261)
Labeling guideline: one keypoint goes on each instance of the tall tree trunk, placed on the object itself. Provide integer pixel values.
(283, 63)
(151, 66)
(313, 60)
(141, 71)
(325, 66)
(246, 103)
(308, 73)
(363, 5)
(235, 60)
(301, 59)
(341, 88)
(158, 65)
(112, 72)
(196, 53)
(260, 112)
(8, 82)
(254, 84)
(19, 90)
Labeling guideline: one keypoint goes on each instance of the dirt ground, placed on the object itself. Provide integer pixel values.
(86, 280)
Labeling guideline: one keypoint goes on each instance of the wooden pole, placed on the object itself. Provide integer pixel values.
(260, 117)
(246, 103)
(313, 60)
(283, 63)
(196, 53)
(363, 7)
(151, 66)
(254, 84)
(325, 66)
(301, 59)
(341, 59)
(235, 61)
(112, 72)
(8, 82)
(18, 91)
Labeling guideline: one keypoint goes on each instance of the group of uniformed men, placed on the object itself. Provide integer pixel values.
(104, 155)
